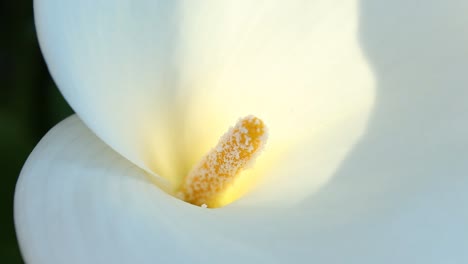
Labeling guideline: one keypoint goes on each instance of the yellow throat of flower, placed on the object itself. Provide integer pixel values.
(219, 168)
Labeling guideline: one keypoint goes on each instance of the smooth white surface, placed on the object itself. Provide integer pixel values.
(161, 81)
(77, 201)
(398, 192)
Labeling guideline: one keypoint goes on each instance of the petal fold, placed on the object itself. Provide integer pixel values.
(78, 201)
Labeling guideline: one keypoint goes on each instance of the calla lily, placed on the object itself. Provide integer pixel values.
(365, 104)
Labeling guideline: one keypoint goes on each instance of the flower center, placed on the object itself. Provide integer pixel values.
(219, 168)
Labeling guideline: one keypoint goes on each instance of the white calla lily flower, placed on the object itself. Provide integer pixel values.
(364, 102)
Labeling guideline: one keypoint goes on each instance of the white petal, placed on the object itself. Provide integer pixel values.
(77, 201)
(160, 81)
(294, 63)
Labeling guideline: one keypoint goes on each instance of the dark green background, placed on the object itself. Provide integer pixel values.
(30, 105)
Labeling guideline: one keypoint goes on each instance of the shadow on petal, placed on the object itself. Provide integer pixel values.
(401, 193)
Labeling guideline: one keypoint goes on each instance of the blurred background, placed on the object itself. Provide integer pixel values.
(30, 105)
